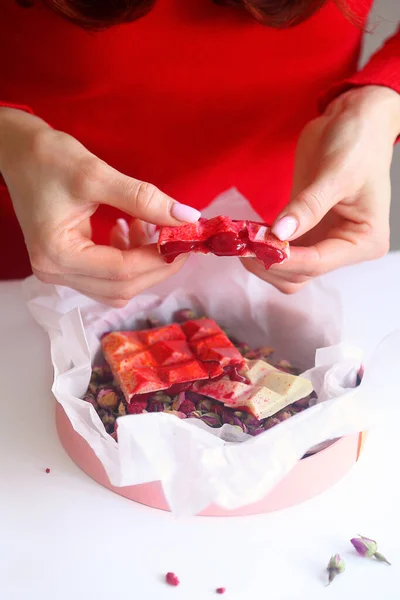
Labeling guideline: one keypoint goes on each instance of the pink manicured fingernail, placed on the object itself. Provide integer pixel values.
(124, 227)
(285, 227)
(182, 212)
(150, 230)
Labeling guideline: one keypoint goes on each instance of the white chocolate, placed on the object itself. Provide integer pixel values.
(270, 390)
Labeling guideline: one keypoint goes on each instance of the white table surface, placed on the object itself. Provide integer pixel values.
(63, 537)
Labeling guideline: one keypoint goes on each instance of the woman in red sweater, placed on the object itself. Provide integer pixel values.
(193, 96)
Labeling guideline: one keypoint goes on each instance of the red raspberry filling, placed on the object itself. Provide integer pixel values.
(223, 236)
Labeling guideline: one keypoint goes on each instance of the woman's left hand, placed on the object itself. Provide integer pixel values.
(339, 211)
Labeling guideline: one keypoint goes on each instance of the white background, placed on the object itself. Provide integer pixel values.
(64, 537)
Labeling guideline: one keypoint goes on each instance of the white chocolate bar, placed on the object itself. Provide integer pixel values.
(270, 390)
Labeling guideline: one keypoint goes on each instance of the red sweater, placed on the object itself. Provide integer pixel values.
(194, 97)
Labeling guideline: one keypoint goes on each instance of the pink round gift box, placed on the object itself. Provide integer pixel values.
(310, 477)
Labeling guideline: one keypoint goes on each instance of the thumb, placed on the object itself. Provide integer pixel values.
(305, 211)
(145, 201)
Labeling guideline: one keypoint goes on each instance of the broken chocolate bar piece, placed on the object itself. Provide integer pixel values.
(269, 390)
(223, 237)
(158, 359)
(210, 344)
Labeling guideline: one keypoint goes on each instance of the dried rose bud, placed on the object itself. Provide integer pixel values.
(155, 406)
(302, 404)
(283, 415)
(187, 407)
(185, 314)
(253, 425)
(237, 422)
(152, 323)
(211, 419)
(256, 431)
(176, 413)
(220, 590)
(368, 548)
(91, 399)
(195, 397)
(271, 422)
(108, 422)
(93, 388)
(121, 409)
(108, 419)
(196, 414)
(107, 399)
(242, 347)
(335, 566)
(205, 405)
(251, 421)
(250, 354)
(218, 409)
(227, 415)
(101, 374)
(137, 407)
(101, 412)
(178, 401)
(285, 364)
(265, 351)
(162, 397)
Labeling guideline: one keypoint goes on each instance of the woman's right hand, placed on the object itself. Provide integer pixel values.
(56, 185)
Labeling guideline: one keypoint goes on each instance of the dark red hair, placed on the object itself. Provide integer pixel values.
(101, 14)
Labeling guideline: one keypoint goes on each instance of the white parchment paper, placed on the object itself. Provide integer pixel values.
(198, 465)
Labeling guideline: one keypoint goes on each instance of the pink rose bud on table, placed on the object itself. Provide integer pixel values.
(335, 566)
(368, 548)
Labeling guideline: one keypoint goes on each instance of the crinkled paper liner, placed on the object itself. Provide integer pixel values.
(198, 465)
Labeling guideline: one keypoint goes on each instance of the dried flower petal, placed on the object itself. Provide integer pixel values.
(221, 590)
(335, 566)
